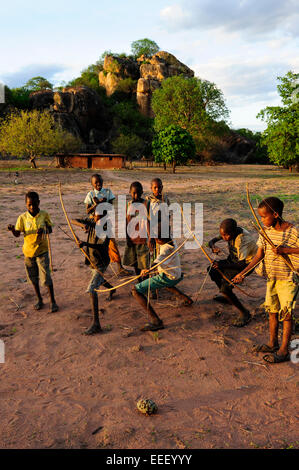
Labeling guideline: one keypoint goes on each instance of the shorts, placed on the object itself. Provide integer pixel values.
(281, 296)
(156, 282)
(38, 268)
(137, 255)
(96, 281)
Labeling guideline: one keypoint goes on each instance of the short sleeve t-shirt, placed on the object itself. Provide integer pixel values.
(34, 244)
(243, 247)
(172, 267)
(103, 193)
(274, 267)
(154, 203)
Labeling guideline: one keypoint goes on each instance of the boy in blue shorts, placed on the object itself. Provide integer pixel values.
(169, 274)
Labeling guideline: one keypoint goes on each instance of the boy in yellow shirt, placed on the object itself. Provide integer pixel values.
(35, 224)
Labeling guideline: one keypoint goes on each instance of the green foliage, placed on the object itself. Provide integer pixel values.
(89, 77)
(192, 104)
(127, 85)
(34, 134)
(128, 120)
(18, 97)
(281, 135)
(260, 154)
(145, 47)
(173, 145)
(130, 145)
(38, 84)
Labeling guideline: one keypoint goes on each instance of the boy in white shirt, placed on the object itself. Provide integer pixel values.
(169, 274)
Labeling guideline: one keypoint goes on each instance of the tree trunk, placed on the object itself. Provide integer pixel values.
(164, 165)
(173, 166)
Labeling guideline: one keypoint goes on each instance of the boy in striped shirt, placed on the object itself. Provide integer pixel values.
(282, 281)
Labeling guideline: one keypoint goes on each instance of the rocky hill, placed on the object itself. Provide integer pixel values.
(148, 74)
(127, 86)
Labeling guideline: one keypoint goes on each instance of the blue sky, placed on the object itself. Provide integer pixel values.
(241, 45)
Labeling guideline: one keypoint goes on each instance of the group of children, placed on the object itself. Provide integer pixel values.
(156, 259)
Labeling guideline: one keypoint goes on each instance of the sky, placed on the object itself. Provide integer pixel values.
(240, 45)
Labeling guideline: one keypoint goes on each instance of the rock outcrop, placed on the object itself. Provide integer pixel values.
(148, 72)
(115, 70)
(41, 100)
(79, 110)
(161, 66)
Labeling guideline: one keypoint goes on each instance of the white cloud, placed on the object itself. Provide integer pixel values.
(253, 18)
(52, 72)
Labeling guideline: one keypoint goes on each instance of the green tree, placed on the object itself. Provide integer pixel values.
(145, 47)
(130, 145)
(173, 145)
(89, 77)
(191, 103)
(18, 97)
(38, 84)
(281, 135)
(35, 134)
(260, 155)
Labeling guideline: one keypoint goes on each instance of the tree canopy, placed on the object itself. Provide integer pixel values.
(146, 47)
(35, 134)
(190, 103)
(281, 136)
(173, 145)
(38, 84)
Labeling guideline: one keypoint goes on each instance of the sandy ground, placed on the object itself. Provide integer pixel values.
(58, 386)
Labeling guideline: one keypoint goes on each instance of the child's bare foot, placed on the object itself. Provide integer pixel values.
(242, 320)
(265, 348)
(39, 305)
(276, 358)
(53, 308)
(153, 326)
(93, 329)
(109, 298)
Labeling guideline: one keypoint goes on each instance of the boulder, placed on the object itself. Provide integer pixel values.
(162, 65)
(149, 72)
(116, 69)
(77, 109)
(41, 100)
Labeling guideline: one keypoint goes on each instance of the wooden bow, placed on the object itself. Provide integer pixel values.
(75, 236)
(149, 270)
(263, 232)
(210, 259)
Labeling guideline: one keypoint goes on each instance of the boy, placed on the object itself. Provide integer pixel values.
(136, 250)
(157, 197)
(282, 282)
(154, 201)
(242, 248)
(169, 275)
(100, 258)
(35, 224)
(93, 198)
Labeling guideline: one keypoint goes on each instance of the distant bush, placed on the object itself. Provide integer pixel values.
(17, 97)
(35, 134)
(130, 145)
(260, 154)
